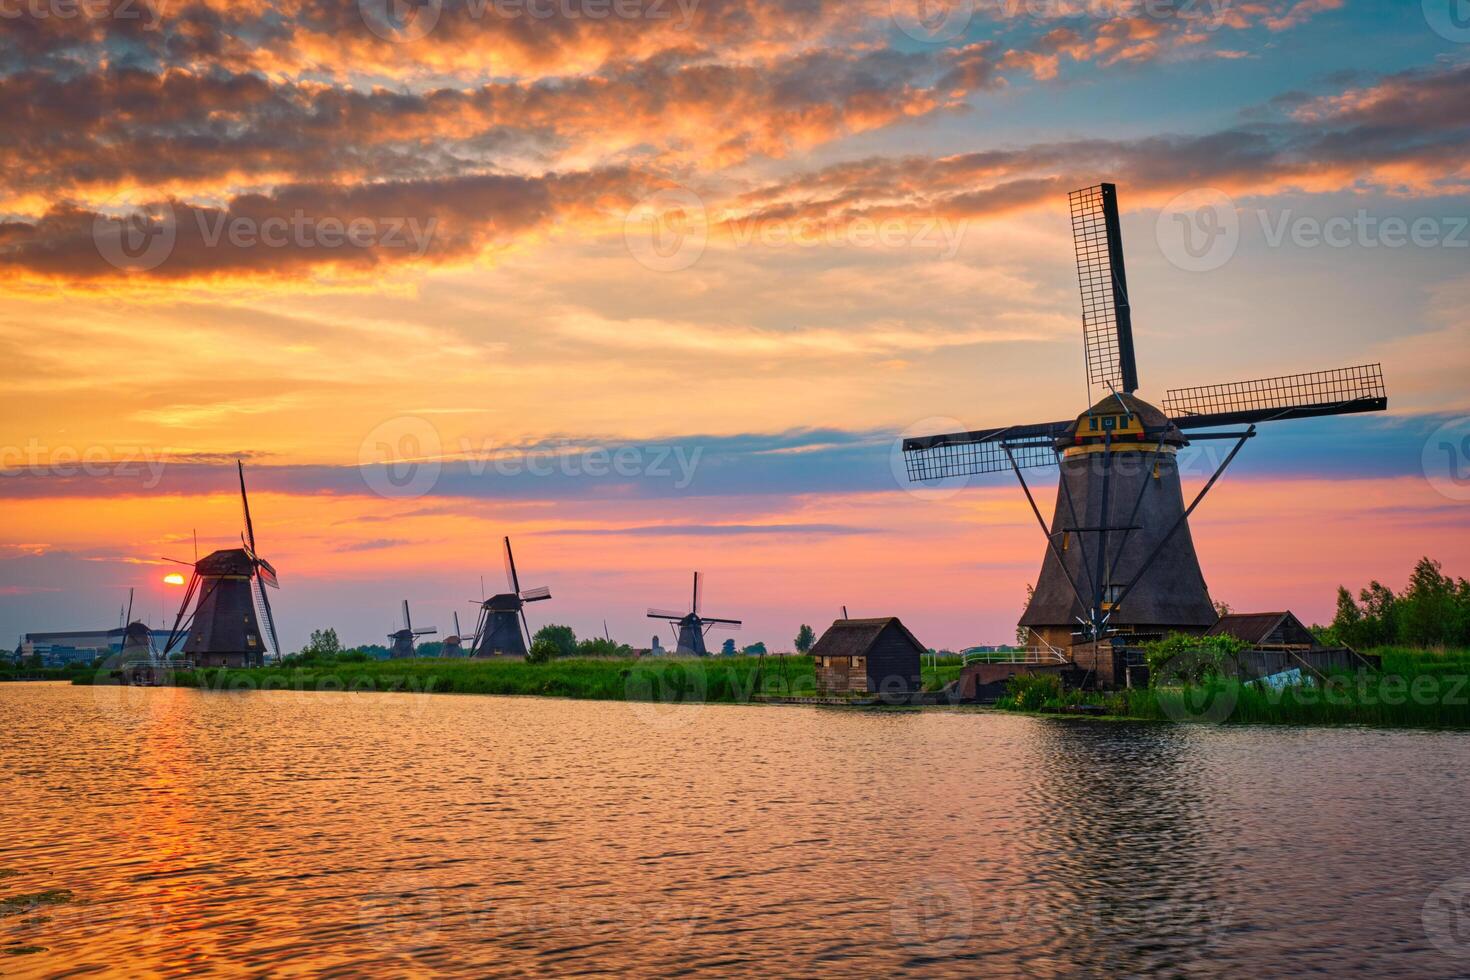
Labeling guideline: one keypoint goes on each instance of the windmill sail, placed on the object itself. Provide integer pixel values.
(1342, 391)
(1107, 316)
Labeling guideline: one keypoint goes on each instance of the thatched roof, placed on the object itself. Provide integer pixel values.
(856, 637)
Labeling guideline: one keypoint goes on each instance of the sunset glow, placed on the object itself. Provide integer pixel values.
(659, 294)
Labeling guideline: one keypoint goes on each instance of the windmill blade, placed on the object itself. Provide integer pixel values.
(128, 619)
(526, 623)
(266, 572)
(1107, 316)
(270, 619)
(457, 631)
(698, 592)
(425, 631)
(1343, 391)
(982, 451)
(733, 624)
(177, 562)
(407, 619)
(536, 594)
(245, 502)
(665, 614)
(510, 569)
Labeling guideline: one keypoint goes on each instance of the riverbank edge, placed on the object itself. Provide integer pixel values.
(739, 680)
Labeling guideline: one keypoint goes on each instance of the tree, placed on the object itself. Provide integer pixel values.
(1222, 609)
(323, 644)
(543, 650)
(560, 637)
(1023, 633)
(805, 637)
(728, 648)
(602, 647)
(755, 649)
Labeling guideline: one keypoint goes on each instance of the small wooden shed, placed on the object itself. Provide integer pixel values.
(873, 656)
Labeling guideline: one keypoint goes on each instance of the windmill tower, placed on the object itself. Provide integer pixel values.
(227, 593)
(503, 617)
(690, 627)
(1120, 563)
(454, 642)
(403, 640)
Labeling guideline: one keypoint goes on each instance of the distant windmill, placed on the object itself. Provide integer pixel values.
(1120, 561)
(229, 603)
(691, 626)
(503, 617)
(454, 642)
(403, 639)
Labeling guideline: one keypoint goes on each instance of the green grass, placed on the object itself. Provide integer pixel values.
(1416, 689)
(716, 679)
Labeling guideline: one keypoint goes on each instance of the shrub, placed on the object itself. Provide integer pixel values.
(1180, 658)
(542, 651)
(1031, 692)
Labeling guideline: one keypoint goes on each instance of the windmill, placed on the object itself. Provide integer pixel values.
(1120, 562)
(403, 639)
(691, 626)
(454, 642)
(227, 593)
(502, 617)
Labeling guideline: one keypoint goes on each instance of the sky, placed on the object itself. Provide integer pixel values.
(658, 285)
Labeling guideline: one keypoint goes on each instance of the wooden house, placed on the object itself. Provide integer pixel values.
(1266, 631)
(869, 656)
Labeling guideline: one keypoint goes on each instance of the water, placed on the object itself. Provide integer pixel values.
(392, 834)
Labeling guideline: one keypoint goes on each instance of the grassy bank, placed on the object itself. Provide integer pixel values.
(1416, 689)
(718, 679)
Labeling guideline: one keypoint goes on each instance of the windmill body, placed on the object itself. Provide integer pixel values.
(404, 639)
(503, 630)
(1119, 563)
(225, 619)
(691, 627)
(1136, 491)
(226, 629)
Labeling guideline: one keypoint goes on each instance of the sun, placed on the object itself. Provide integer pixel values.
(173, 578)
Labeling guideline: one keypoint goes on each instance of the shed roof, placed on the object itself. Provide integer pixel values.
(855, 637)
(1253, 627)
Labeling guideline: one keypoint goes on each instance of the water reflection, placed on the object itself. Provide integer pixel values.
(383, 834)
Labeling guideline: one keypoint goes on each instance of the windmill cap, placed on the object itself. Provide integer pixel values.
(230, 561)
(1155, 422)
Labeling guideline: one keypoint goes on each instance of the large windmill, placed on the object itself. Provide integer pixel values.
(227, 593)
(690, 627)
(404, 639)
(1120, 562)
(503, 617)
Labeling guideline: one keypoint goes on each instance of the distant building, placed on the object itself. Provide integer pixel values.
(656, 649)
(79, 646)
